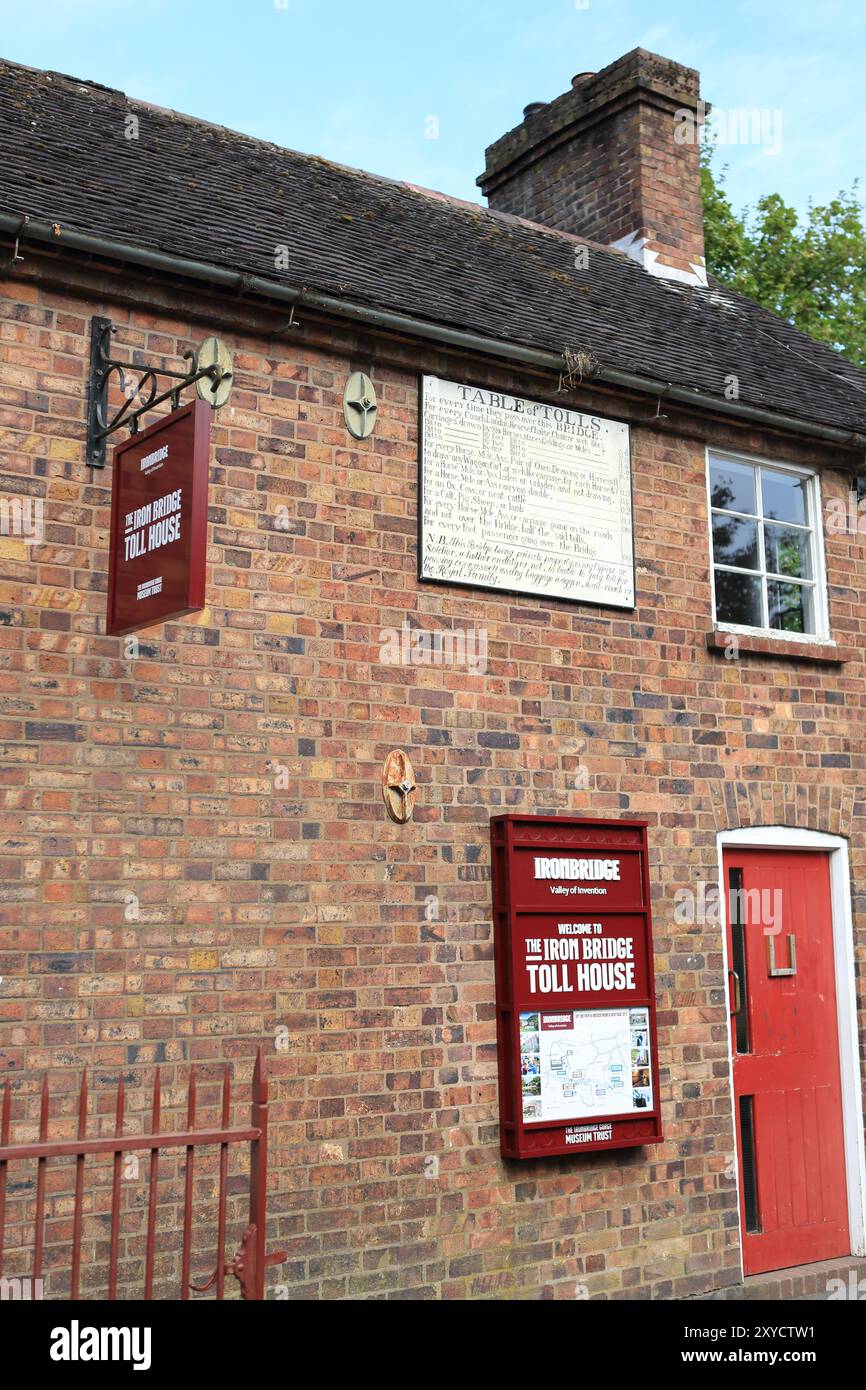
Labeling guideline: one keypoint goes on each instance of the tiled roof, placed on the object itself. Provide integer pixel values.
(204, 193)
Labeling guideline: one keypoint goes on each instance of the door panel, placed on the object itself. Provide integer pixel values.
(786, 1058)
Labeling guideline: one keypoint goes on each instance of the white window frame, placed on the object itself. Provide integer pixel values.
(816, 529)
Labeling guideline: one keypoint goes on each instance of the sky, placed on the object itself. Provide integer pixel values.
(416, 89)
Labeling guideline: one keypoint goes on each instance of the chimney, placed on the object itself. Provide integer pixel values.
(615, 160)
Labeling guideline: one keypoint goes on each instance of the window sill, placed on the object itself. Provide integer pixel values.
(777, 648)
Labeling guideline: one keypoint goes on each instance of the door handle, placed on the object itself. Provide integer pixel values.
(738, 994)
(772, 968)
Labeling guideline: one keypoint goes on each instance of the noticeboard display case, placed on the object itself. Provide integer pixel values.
(576, 1027)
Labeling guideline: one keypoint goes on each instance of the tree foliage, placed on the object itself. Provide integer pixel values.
(811, 271)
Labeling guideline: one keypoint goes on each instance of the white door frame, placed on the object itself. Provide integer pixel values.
(790, 838)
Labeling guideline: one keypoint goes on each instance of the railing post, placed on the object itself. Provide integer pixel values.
(5, 1114)
(249, 1263)
(259, 1173)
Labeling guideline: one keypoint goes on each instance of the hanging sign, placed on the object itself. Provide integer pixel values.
(158, 544)
(523, 496)
(578, 1067)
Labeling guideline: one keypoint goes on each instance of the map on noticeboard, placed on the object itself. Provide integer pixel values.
(582, 1064)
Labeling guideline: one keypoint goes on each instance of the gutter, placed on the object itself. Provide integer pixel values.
(54, 235)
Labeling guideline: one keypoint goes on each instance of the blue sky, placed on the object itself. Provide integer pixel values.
(359, 82)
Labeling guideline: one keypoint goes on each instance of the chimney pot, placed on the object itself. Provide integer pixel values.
(532, 107)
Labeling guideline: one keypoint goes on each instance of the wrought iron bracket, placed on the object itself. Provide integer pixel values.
(210, 371)
(243, 1266)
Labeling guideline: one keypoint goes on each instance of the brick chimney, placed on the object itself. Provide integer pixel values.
(615, 159)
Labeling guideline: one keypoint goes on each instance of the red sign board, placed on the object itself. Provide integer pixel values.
(158, 545)
(578, 1063)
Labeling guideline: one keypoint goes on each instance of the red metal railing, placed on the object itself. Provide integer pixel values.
(248, 1265)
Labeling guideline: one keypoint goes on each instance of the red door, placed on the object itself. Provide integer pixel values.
(787, 1087)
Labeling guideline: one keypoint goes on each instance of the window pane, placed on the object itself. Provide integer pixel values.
(784, 496)
(738, 599)
(791, 607)
(735, 542)
(787, 551)
(732, 486)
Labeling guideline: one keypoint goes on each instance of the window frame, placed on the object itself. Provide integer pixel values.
(815, 529)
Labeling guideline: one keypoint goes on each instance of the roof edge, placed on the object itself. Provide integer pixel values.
(23, 228)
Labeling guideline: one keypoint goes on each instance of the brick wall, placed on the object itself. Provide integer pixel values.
(196, 857)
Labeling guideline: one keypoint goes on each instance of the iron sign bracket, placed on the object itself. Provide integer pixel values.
(210, 371)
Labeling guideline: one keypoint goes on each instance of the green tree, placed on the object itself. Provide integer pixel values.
(812, 271)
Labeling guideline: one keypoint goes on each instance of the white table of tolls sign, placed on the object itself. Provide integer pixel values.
(524, 496)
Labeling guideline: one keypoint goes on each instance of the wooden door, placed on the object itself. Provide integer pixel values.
(784, 1032)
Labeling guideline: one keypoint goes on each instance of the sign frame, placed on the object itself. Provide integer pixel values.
(196, 577)
(466, 585)
(513, 839)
